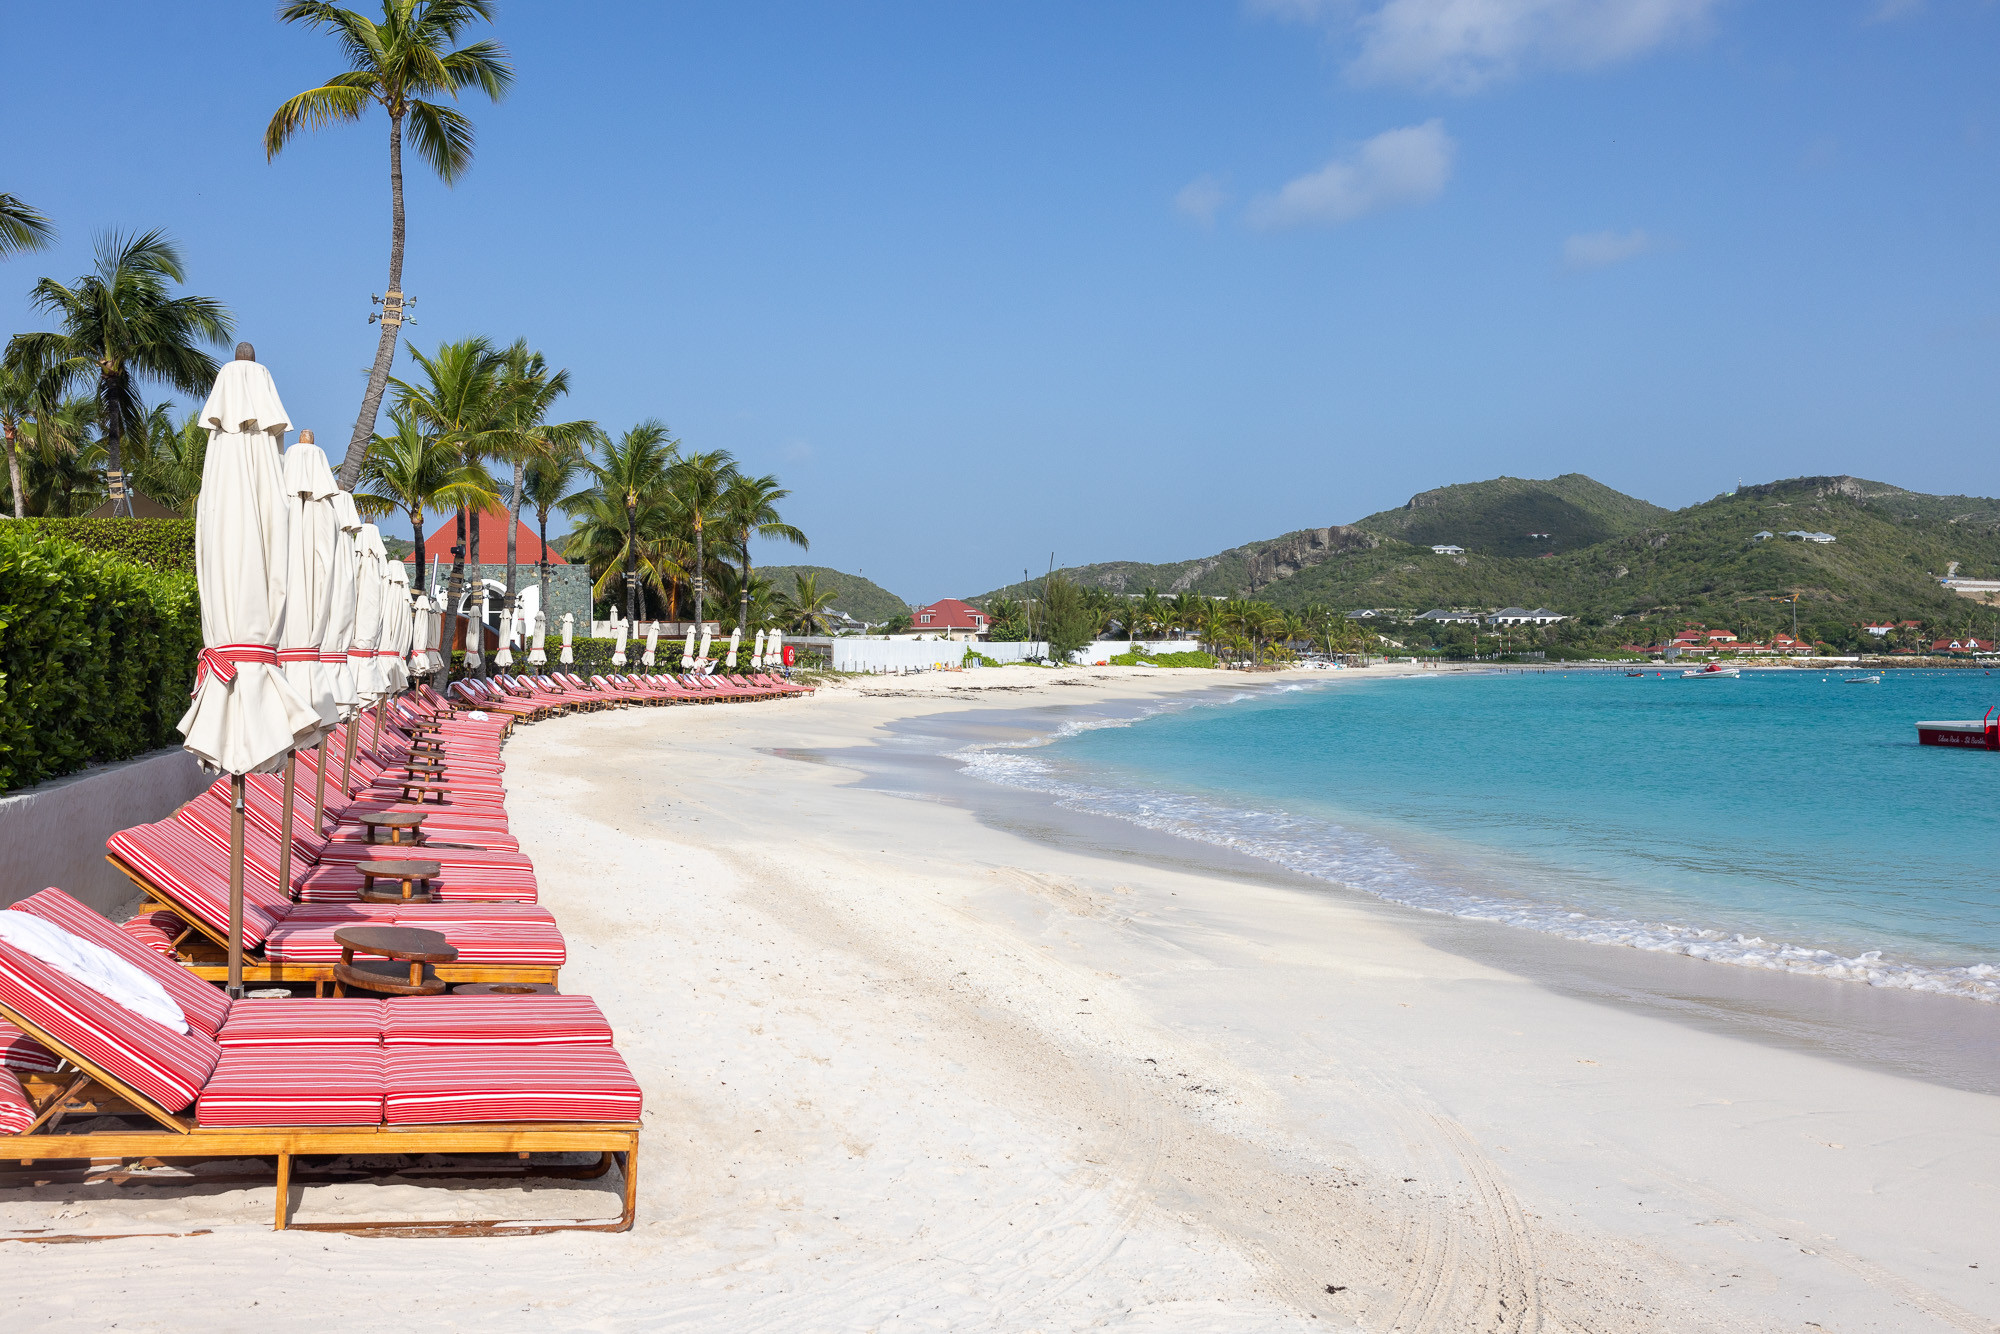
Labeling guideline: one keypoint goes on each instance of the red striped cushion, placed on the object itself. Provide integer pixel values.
(18, 1051)
(156, 930)
(16, 1112)
(179, 861)
(166, 1066)
(494, 1021)
(294, 1086)
(433, 1085)
(205, 1006)
(526, 942)
(331, 1022)
(340, 883)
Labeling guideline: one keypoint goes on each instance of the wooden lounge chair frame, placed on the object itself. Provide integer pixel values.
(204, 951)
(83, 1088)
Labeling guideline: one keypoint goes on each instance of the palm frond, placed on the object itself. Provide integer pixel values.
(442, 138)
(328, 104)
(22, 227)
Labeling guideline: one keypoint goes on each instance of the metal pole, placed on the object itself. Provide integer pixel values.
(319, 787)
(347, 765)
(375, 738)
(235, 887)
(285, 824)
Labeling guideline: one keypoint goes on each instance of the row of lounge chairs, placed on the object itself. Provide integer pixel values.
(83, 1077)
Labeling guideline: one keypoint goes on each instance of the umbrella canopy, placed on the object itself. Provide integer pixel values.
(245, 716)
(757, 651)
(309, 579)
(687, 652)
(772, 657)
(398, 618)
(340, 610)
(652, 645)
(369, 557)
(735, 640)
(538, 654)
(703, 655)
(569, 619)
(618, 653)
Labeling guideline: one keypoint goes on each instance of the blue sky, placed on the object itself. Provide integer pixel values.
(1136, 280)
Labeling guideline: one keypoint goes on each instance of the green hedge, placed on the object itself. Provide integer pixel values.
(157, 544)
(96, 655)
(1139, 658)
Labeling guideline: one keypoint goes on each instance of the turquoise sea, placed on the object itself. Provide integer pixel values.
(1782, 820)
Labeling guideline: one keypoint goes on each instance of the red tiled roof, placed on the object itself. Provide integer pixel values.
(948, 614)
(438, 541)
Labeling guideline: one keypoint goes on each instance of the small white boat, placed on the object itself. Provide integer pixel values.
(1715, 671)
(1874, 680)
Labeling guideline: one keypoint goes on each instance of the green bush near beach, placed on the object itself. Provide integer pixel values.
(97, 655)
(1138, 657)
(158, 544)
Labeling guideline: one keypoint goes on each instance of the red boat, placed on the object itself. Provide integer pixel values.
(1974, 733)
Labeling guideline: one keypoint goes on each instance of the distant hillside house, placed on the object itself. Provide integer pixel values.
(1522, 616)
(1764, 536)
(1446, 549)
(1967, 645)
(949, 619)
(1451, 617)
(1803, 536)
(1880, 630)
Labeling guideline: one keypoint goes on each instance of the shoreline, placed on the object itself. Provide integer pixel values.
(908, 1065)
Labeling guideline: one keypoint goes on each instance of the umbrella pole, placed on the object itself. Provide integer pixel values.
(285, 823)
(236, 886)
(347, 764)
(319, 787)
(375, 738)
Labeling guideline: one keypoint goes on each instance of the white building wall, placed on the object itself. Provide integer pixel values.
(874, 653)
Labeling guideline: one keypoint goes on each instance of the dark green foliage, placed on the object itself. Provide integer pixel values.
(863, 599)
(97, 656)
(1067, 620)
(1140, 658)
(157, 544)
(1497, 518)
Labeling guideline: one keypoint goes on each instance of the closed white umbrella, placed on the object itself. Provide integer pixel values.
(569, 621)
(735, 639)
(772, 656)
(333, 648)
(309, 488)
(508, 626)
(703, 655)
(420, 632)
(757, 652)
(245, 717)
(538, 655)
(475, 629)
(618, 653)
(652, 643)
(687, 652)
(397, 621)
(369, 556)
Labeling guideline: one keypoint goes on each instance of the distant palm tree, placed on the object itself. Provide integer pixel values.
(529, 390)
(63, 481)
(633, 476)
(169, 457)
(120, 326)
(699, 483)
(414, 473)
(805, 610)
(750, 509)
(22, 228)
(546, 482)
(395, 64)
(18, 404)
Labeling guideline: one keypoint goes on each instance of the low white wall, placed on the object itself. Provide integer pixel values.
(54, 834)
(862, 653)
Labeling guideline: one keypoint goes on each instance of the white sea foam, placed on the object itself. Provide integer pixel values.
(1326, 851)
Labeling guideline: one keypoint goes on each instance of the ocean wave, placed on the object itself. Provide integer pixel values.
(1326, 851)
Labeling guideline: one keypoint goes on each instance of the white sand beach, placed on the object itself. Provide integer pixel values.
(911, 1068)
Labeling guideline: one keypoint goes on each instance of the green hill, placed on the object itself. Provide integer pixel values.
(1702, 561)
(860, 598)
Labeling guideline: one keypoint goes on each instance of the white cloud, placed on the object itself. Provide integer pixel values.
(1406, 166)
(1463, 45)
(1596, 250)
(1201, 199)
(1888, 11)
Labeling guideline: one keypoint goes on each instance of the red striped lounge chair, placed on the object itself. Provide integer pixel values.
(270, 1078)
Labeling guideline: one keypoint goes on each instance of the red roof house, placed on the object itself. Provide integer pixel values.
(492, 541)
(948, 616)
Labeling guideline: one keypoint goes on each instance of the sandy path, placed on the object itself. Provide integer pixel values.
(904, 1070)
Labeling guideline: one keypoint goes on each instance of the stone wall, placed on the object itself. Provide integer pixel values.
(54, 834)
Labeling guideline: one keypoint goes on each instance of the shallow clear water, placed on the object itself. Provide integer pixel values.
(1781, 820)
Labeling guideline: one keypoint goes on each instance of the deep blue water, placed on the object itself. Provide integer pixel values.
(1781, 820)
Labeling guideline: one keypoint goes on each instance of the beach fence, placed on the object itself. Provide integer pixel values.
(881, 653)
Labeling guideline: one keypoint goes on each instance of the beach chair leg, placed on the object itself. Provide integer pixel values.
(628, 1163)
(284, 1191)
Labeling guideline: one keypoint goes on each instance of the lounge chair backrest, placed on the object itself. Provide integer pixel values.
(205, 1006)
(260, 854)
(166, 1066)
(264, 802)
(182, 865)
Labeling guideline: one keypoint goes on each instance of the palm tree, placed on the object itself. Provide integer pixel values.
(546, 483)
(63, 482)
(634, 473)
(699, 483)
(412, 472)
(805, 608)
(22, 228)
(18, 403)
(529, 390)
(395, 64)
(169, 457)
(457, 408)
(750, 509)
(604, 532)
(120, 326)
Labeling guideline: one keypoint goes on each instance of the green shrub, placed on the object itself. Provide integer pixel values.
(97, 656)
(973, 655)
(157, 544)
(1138, 657)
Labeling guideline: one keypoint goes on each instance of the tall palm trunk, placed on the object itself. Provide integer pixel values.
(478, 580)
(13, 435)
(417, 535)
(110, 397)
(513, 527)
(453, 591)
(700, 571)
(631, 559)
(542, 565)
(392, 319)
(743, 613)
